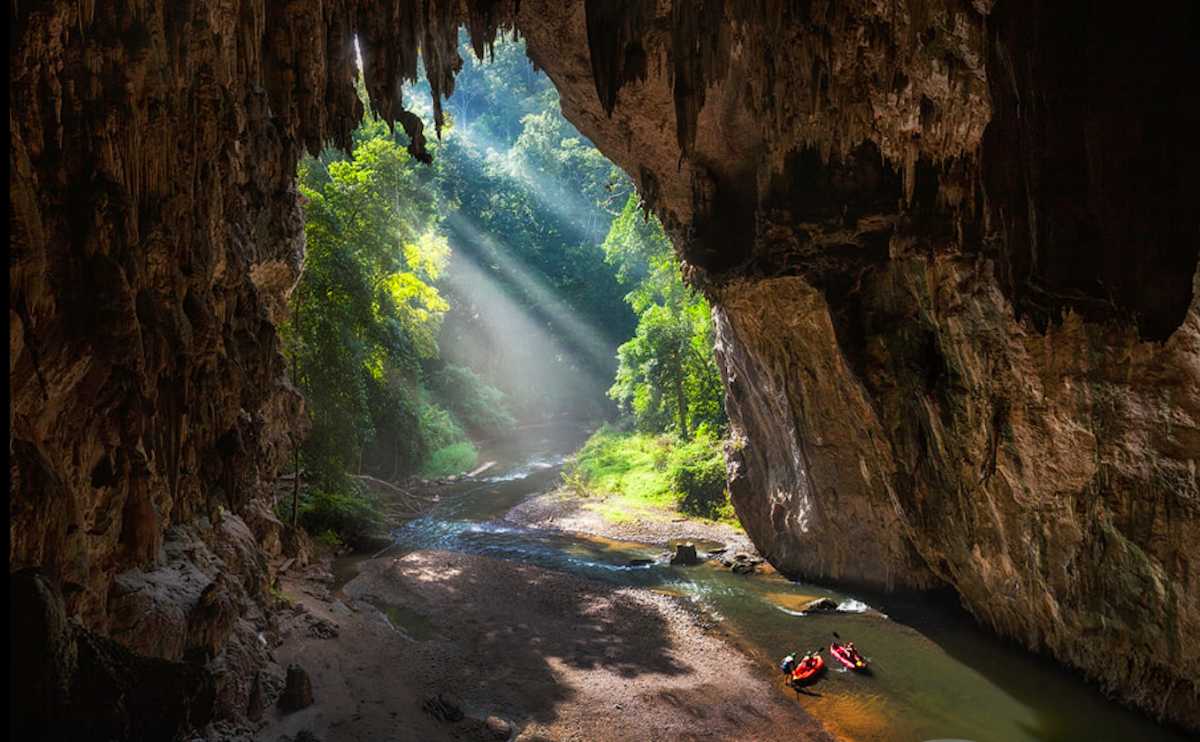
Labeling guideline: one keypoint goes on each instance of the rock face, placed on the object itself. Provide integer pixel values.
(952, 247)
(68, 683)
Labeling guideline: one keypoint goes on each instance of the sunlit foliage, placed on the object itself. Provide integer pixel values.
(637, 474)
(667, 375)
(366, 312)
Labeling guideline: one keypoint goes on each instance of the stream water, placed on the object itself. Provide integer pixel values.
(934, 674)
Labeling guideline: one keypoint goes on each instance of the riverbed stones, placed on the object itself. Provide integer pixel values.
(742, 563)
(297, 692)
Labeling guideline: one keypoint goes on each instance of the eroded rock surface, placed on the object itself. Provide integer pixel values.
(952, 247)
(953, 258)
(69, 683)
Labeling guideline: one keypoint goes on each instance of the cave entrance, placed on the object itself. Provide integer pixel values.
(448, 310)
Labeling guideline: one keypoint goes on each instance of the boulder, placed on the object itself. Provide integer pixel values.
(742, 563)
(297, 693)
(75, 684)
(820, 605)
(685, 554)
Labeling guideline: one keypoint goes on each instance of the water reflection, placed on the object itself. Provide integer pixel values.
(935, 674)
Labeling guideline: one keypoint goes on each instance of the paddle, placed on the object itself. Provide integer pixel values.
(839, 638)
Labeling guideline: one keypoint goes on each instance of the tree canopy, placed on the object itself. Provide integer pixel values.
(667, 375)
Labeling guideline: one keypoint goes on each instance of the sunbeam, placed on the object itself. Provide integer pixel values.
(583, 335)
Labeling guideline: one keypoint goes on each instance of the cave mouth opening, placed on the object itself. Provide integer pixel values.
(204, 354)
(512, 277)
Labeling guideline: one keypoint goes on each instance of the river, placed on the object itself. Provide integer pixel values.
(935, 675)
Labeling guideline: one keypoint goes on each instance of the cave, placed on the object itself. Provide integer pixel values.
(952, 249)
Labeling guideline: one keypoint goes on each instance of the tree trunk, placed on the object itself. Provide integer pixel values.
(295, 439)
(296, 487)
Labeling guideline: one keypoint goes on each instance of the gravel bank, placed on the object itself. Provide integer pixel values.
(543, 654)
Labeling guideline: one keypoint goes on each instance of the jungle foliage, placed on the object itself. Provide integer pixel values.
(448, 304)
(667, 376)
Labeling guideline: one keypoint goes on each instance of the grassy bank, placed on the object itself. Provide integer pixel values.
(639, 475)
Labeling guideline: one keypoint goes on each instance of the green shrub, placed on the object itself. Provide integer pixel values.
(329, 538)
(346, 515)
(639, 470)
(696, 472)
(453, 459)
(479, 406)
(663, 445)
(437, 427)
(624, 464)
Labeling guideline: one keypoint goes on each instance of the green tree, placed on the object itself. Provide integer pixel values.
(666, 375)
(366, 312)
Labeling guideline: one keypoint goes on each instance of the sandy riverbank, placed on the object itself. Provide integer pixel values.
(564, 510)
(546, 655)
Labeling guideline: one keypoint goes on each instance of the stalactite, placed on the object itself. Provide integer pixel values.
(614, 31)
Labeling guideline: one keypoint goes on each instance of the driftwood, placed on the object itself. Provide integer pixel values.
(481, 469)
(368, 479)
(405, 503)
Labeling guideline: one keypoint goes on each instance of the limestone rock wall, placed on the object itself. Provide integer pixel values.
(952, 250)
(155, 235)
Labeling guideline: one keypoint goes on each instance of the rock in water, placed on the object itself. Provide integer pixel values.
(821, 605)
(298, 693)
(685, 554)
(742, 563)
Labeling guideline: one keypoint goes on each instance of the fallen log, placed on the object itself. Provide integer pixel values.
(481, 469)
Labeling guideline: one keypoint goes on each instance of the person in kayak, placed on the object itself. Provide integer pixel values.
(807, 668)
(846, 654)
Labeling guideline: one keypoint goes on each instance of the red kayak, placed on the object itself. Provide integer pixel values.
(848, 656)
(807, 669)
